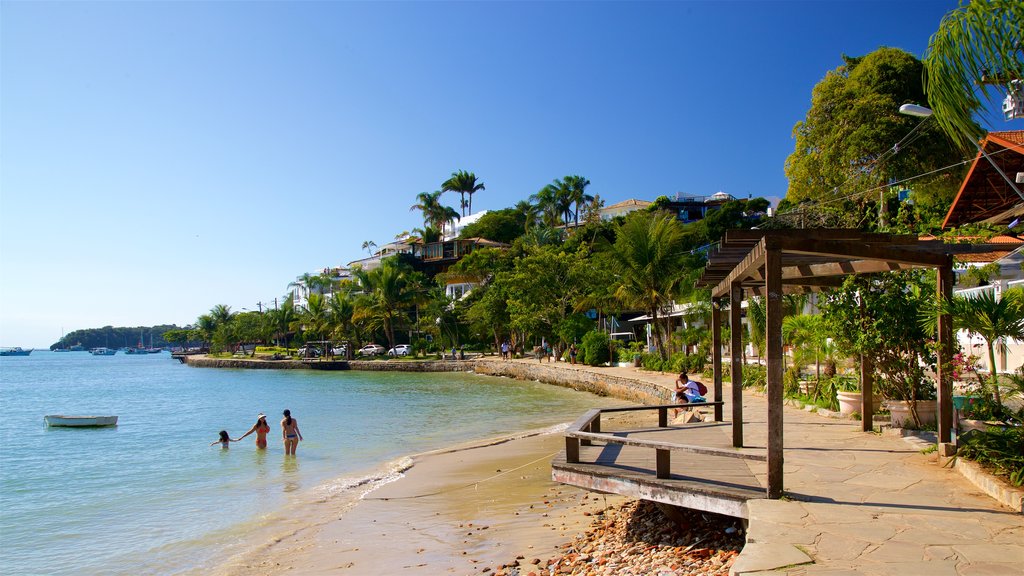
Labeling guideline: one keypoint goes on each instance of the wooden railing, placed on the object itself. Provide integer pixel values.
(587, 429)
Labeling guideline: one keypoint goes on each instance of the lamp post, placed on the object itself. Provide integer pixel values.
(923, 112)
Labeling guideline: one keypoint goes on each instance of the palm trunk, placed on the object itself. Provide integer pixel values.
(993, 373)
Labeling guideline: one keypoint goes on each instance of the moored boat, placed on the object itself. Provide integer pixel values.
(16, 351)
(79, 421)
(102, 351)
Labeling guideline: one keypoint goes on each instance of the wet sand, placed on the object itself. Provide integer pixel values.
(453, 512)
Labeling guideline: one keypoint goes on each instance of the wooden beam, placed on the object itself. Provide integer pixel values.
(846, 268)
(860, 251)
(944, 289)
(752, 261)
(773, 321)
(716, 352)
(736, 344)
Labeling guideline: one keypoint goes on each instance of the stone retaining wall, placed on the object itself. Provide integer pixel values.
(556, 374)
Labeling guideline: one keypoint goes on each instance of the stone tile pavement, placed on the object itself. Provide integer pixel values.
(862, 503)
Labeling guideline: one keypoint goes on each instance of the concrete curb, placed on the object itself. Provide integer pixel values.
(994, 486)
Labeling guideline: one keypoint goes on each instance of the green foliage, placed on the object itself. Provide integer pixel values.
(499, 225)
(973, 42)
(845, 144)
(978, 275)
(595, 348)
(112, 337)
(1000, 449)
(888, 329)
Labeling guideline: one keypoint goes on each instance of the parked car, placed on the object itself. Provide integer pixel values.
(339, 350)
(400, 350)
(371, 350)
(309, 352)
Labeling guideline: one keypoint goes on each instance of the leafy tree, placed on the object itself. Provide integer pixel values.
(648, 258)
(500, 226)
(880, 317)
(854, 140)
(976, 45)
(464, 183)
(595, 348)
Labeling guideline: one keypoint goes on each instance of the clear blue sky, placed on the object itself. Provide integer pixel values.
(157, 159)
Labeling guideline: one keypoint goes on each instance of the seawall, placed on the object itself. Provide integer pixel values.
(555, 374)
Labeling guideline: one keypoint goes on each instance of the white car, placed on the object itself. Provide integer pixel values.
(400, 350)
(371, 350)
(338, 351)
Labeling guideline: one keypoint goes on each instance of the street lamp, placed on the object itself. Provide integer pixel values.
(923, 112)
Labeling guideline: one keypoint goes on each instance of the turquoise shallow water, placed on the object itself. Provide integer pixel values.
(152, 497)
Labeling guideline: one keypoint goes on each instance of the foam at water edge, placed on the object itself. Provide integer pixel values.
(345, 485)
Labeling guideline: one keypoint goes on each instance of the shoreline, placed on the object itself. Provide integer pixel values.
(457, 510)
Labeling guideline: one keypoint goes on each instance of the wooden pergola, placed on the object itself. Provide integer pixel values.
(774, 262)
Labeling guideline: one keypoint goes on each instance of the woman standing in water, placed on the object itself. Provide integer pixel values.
(261, 428)
(290, 431)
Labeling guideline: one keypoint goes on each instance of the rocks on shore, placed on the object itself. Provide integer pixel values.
(636, 538)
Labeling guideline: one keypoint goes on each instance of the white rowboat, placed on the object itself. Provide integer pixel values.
(79, 421)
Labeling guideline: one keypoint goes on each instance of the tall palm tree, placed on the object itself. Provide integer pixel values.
(649, 260)
(221, 314)
(529, 212)
(369, 246)
(387, 296)
(995, 320)
(548, 203)
(974, 42)
(464, 183)
(576, 188)
(429, 203)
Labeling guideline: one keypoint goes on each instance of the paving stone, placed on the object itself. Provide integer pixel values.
(940, 553)
(986, 552)
(760, 557)
(990, 569)
(833, 547)
(896, 552)
(934, 568)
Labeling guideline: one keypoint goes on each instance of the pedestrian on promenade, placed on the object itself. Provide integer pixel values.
(290, 432)
(572, 353)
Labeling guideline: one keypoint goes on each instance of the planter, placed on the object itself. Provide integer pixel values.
(849, 402)
(927, 411)
(967, 424)
(637, 360)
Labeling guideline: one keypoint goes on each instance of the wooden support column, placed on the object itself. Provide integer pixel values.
(867, 389)
(944, 287)
(736, 345)
(716, 352)
(663, 464)
(773, 322)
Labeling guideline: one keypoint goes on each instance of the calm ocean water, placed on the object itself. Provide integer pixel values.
(152, 497)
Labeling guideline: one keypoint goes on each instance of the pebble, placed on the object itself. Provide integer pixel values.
(636, 538)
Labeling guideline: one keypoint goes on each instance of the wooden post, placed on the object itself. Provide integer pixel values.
(944, 287)
(867, 393)
(663, 463)
(716, 352)
(572, 450)
(735, 307)
(867, 389)
(662, 417)
(773, 321)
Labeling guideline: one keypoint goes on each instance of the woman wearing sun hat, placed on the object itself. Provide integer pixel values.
(261, 428)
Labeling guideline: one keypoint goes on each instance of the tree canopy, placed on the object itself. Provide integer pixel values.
(854, 141)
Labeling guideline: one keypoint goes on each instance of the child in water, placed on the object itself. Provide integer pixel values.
(224, 440)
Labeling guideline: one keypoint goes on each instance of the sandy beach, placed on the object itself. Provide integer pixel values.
(458, 512)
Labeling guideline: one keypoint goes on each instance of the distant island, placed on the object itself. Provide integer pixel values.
(115, 337)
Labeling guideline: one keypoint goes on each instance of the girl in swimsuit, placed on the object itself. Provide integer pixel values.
(261, 428)
(224, 440)
(290, 431)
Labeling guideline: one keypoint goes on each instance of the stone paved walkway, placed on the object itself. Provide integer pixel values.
(861, 503)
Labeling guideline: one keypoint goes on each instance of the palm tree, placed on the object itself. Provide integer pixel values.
(369, 246)
(387, 296)
(282, 318)
(429, 203)
(548, 204)
(464, 183)
(976, 45)
(221, 314)
(576, 188)
(649, 260)
(995, 320)
(529, 212)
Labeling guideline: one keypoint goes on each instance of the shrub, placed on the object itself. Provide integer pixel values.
(652, 362)
(594, 348)
(1002, 450)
